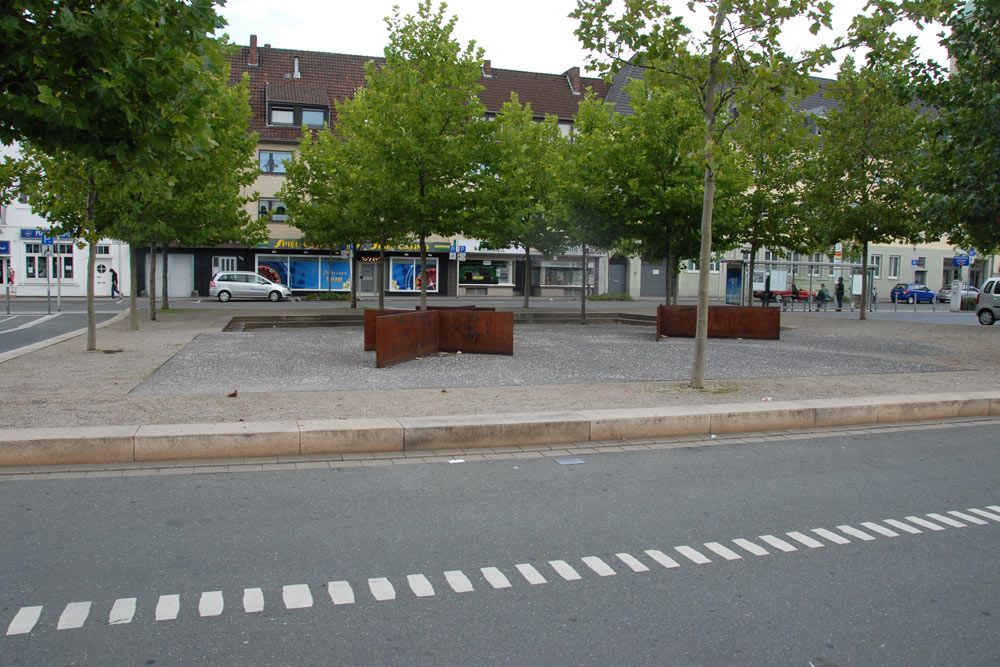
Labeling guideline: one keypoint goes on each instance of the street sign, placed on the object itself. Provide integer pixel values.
(48, 240)
(914, 262)
(461, 253)
(4, 247)
(961, 260)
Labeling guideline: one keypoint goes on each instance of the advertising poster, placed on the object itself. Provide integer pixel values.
(734, 284)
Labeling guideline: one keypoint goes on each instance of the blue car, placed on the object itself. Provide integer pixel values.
(910, 292)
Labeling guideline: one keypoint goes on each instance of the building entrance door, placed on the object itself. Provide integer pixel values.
(366, 278)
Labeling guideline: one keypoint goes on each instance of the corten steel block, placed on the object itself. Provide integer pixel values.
(723, 322)
(370, 316)
(406, 336)
(476, 331)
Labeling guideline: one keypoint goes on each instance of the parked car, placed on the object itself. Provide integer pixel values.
(228, 285)
(988, 302)
(944, 294)
(910, 292)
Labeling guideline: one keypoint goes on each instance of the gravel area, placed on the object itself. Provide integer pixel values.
(182, 368)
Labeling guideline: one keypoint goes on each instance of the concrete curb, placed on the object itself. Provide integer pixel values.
(160, 442)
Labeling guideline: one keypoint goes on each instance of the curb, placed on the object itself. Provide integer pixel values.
(169, 442)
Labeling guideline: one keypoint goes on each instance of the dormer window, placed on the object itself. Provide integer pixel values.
(282, 116)
(297, 116)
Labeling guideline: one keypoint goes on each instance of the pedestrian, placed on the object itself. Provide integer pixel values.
(767, 291)
(838, 292)
(822, 296)
(114, 284)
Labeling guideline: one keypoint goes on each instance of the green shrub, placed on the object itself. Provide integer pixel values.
(969, 303)
(327, 296)
(609, 297)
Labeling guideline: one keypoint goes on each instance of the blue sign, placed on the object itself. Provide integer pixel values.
(4, 247)
(961, 260)
(914, 262)
(48, 240)
(41, 235)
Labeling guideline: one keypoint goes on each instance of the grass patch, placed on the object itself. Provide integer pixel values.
(610, 297)
(327, 296)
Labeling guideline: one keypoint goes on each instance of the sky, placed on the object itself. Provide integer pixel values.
(529, 35)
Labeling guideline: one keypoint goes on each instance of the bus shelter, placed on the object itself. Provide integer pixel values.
(807, 276)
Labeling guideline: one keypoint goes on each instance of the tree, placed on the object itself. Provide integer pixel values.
(519, 185)
(962, 173)
(861, 183)
(419, 126)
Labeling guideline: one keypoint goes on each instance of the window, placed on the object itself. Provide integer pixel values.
(875, 262)
(282, 116)
(273, 162)
(272, 209)
(22, 198)
(893, 266)
(405, 274)
(37, 263)
(223, 264)
(103, 250)
(313, 117)
(485, 272)
(817, 258)
(296, 116)
(713, 266)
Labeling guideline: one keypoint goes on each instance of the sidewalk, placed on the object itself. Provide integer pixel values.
(164, 392)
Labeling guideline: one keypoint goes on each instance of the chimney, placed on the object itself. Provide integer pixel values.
(295, 73)
(573, 77)
(253, 51)
(487, 71)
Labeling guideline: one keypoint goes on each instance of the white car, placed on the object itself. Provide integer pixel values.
(988, 302)
(228, 285)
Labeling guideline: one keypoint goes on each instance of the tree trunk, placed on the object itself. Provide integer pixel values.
(166, 282)
(701, 330)
(133, 285)
(152, 280)
(753, 262)
(423, 272)
(91, 265)
(354, 282)
(583, 291)
(865, 287)
(527, 275)
(380, 278)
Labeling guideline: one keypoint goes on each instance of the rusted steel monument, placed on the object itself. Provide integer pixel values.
(723, 322)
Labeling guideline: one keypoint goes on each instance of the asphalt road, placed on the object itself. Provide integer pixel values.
(876, 549)
(29, 321)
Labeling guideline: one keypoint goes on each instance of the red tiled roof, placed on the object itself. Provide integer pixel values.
(329, 77)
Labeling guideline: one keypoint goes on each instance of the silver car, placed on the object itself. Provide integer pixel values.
(228, 285)
(988, 305)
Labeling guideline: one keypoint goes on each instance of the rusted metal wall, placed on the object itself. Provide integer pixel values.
(405, 336)
(370, 316)
(478, 331)
(723, 322)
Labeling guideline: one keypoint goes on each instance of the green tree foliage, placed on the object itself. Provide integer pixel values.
(107, 79)
(962, 173)
(862, 185)
(519, 185)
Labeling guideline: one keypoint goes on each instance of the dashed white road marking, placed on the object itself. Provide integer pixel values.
(995, 508)
(73, 616)
(167, 608)
(755, 549)
(253, 600)
(211, 603)
(903, 526)
(662, 558)
(692, 555)
(725, 552)
(877, 528)
(988, 515)
(122, 612)
(778, 543)
(381, 589)
(531, 575)
(598, 566)
(420, 586)
(297, 596)
(923, 522)
(948, 521)
(968, 517)
(565, 570)
(805, 539)
(833, 537)
(458, 581)
(634, 563)
(854, 532)
(495, 577)
(24, 620)
(340, 592)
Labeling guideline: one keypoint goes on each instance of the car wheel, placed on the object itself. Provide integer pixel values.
(274, 296)
(224, 296)
(910, 300)
(986, 317)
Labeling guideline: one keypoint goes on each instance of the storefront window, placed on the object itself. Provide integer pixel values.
(485, 272)
(561, 273)
(405, 274)
(306, 272)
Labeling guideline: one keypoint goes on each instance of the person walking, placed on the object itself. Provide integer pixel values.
(838, 292)
(114, 284)
(767, 291)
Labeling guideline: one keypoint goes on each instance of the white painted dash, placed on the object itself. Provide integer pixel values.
(948, 521)
(531, 575)
(880, 529)
(167, 608)
(778, 543)
(968, 517)
(253, 600)
(634, 563)
(565, 570)
(24, 621)
(495, 577)
(420, 586)
(598, 566)
(805, 539)
(905, 527)
(340, 592)
(753, 548)
(458, 581)
(833, 537)
(725, 552)
(854, 532)
(211, 603)
(297, 596)
(73, 616)
(692, 555)
(988, 515)
(662, 558)
(381, 589)
(995, 508)
(923, 522)
(122, 611)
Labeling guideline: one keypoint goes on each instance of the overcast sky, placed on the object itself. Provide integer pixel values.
(531, 35)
